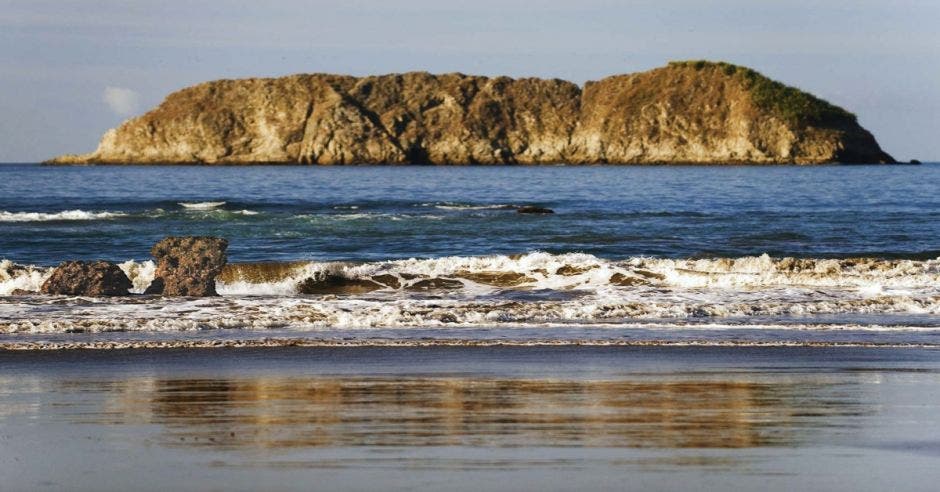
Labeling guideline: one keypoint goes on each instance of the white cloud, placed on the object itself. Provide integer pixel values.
(122, 101)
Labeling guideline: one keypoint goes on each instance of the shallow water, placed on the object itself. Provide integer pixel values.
(510, 418)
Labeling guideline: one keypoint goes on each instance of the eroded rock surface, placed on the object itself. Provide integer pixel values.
(87, 278)
(188, 265)
(687, 112)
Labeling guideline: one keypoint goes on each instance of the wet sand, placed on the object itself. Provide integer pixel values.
(471, 418)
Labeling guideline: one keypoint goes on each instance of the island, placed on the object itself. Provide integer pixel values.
(689, 112)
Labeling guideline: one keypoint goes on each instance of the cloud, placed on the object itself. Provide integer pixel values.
(122, 101)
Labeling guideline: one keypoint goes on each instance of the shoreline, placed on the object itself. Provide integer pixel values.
(39, 346)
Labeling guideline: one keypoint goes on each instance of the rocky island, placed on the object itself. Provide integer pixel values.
(692, 112)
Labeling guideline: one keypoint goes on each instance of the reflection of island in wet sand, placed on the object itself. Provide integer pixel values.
(320, 412)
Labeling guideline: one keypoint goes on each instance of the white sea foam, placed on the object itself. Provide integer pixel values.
(56, 315)
(64, 215)
(366, 216)
(468, 206)
(535, 289)
(140, 274)
(587, 272)
(201, 205)
(23, 277)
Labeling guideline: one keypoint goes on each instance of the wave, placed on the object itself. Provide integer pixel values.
(208, 211)
(538, 271)
(470, 206)
(535, 289)
(29, 278)
(50, 315)
(213, 213)
(21, 277)
(365, 216)
(65, 215)
(577, 271)
(424, 343)
(201, 205)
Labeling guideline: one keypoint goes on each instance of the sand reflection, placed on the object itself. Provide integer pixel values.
(317, 412)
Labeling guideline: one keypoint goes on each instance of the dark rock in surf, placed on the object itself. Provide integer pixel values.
(87, 278)
(188, 265)
(21, 292)
(336, 284)
(531, 209)
(436, 284)
(626, 281)
(388, 280)
(915, 161)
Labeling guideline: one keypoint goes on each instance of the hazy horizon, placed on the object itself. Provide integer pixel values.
(73, 69)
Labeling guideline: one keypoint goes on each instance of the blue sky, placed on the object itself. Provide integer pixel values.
(70, 69)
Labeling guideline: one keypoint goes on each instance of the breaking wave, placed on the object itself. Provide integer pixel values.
(539, 272)
(65, 215)
(201, 205)
(534, 289)
(470, 206)
(580, 272)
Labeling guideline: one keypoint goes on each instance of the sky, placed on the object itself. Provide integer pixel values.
(71, 69)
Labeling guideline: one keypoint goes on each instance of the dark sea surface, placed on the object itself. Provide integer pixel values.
(382, 213)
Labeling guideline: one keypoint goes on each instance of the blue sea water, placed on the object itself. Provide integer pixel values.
(380, 213)
(677, 254)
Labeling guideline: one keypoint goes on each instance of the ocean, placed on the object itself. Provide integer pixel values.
(405, 328)
(829, 254)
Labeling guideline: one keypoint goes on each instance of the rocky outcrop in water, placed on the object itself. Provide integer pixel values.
(187, 265)
(532, 209)
(687, 112)
(87, 278)
(336, 284)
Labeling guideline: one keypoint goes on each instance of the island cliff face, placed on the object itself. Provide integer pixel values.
(687, 112)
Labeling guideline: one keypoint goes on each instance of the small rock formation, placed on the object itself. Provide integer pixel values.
(87, 278)
(187, 265)
(914, 161)
(388, 280)
(687, 112)
(336, 284)
(531, 209)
